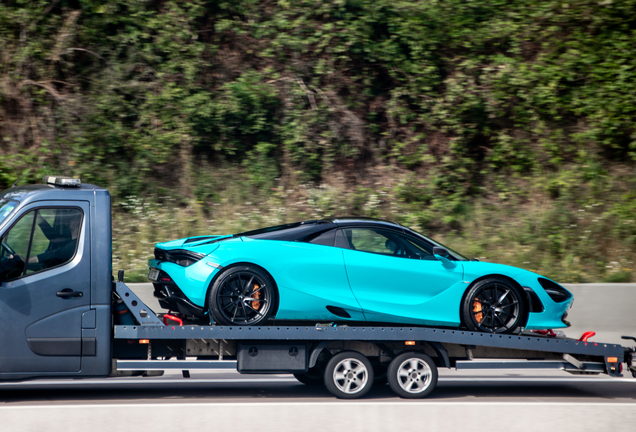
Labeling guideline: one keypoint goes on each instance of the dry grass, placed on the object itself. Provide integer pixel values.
(568, 245)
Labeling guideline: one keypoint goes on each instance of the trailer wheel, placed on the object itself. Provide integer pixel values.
(412, 375)
(349, 375)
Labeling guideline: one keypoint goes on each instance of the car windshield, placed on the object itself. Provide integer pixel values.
(453, 252)
(6, 208)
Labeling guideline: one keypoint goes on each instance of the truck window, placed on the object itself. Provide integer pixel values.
(6, 208)
(40, 240)
(15, 247)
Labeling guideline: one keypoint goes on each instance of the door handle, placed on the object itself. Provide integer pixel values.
(65, 293)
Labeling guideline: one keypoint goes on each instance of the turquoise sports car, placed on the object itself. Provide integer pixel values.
(349, 270)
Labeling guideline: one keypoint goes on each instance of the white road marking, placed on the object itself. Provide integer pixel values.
(314, 404)
(286, 380)
(114, 381)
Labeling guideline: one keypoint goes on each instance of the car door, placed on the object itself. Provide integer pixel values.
(396, 278)
(44, 289)
(310, 276)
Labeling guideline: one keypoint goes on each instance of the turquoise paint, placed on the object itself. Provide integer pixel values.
(549, 318)
(309, 278)
(388, 287)
(371, 287)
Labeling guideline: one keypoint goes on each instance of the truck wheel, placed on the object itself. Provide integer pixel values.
(412, 375)
(349, 375)
(242, 295)
(493, 305)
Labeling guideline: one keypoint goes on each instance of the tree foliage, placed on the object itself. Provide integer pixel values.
(474, 98)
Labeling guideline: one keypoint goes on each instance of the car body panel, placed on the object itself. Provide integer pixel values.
(369, 286)
(390, 287)
(552, 313)
(310, 278)
(203, 246)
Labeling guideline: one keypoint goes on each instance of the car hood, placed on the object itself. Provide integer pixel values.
(201, 244)
(476, 269)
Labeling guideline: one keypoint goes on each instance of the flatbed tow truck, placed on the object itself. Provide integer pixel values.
(61, 316)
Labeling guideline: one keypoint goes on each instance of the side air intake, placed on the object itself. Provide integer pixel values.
(555, 291)
(337, 311)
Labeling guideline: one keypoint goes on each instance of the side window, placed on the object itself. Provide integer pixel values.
(54, 238)
(42, 239)
(369, 240)
(325, 238)
(384, 242)
(15, 248)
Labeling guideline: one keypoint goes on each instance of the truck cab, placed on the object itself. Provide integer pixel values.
(55, 280)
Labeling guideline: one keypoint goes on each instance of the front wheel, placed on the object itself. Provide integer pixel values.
(412, 375)
(242, 295)
(349, 375)
(493, 306)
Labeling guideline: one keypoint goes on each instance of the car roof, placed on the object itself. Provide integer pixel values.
(305, 229)
(354, 220)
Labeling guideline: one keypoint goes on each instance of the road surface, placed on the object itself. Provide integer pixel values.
(226, 401)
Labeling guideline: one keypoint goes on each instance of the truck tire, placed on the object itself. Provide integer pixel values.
(412, 375)
(242, 295)
(349, 375)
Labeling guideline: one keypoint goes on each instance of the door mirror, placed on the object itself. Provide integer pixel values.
(443, 255)
(440, 251)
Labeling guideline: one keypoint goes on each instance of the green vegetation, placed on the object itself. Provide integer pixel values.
(503, 128)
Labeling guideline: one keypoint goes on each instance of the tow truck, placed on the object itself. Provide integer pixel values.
(63, 314)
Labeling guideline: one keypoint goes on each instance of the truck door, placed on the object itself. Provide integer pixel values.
(44, 288)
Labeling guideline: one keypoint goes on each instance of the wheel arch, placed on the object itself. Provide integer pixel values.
(237, 264)
(522, 292)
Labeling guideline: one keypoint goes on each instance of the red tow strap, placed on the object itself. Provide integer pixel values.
(167, 317)
(586, 336)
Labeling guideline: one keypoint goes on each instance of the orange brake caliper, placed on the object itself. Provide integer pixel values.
(477, 308)
(256, 295)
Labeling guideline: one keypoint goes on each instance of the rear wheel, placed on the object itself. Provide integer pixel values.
(493, 306)
(242, 295)
(349, 375)
(412, 375)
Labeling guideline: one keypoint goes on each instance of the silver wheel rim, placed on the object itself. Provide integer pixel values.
(414, 375)
(350, 376)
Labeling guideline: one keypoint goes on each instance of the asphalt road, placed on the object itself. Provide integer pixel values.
(464, 400)
(229, 401)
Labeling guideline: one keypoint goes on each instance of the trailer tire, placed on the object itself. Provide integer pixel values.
(349, 375)
(412, 375)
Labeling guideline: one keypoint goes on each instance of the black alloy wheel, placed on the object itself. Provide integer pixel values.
(242, 295)
(493, 306)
